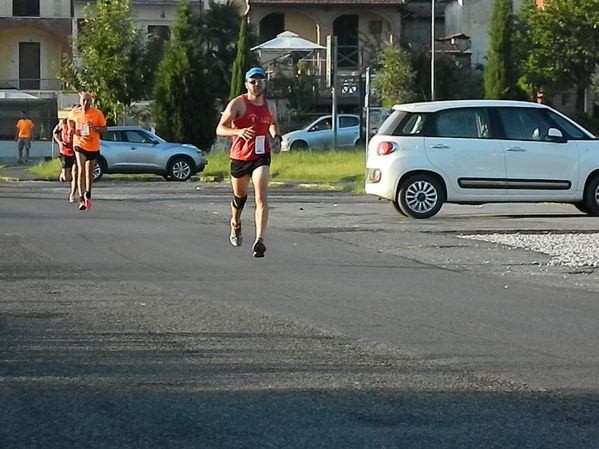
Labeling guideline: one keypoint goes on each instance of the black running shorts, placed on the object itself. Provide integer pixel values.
(89, 155)
(239, 169)
(66, 161)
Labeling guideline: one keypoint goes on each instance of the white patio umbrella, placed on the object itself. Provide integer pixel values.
(288, 41)
(285, 44)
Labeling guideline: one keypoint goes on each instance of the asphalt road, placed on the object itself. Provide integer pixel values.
(136, 325)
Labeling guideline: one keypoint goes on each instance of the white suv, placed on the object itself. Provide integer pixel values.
(481, 151)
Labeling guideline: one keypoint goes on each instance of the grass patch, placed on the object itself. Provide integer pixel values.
(315, 166)
(47, 170)
(327, 166)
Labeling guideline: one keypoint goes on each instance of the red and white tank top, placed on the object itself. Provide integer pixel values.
(259, 118)
(67, 147)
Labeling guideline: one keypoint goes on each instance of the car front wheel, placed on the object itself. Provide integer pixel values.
(180, 169)
(420, 196)
(591, 197)
(99, 168)
(298, 145)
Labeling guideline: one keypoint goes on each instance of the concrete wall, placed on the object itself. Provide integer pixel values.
(39, 149)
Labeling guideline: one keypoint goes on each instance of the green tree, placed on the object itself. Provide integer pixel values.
(562, 39)
(395, 76)
(499, 80)
(240, 65)
(220, 28)
(106, 45)
(184, 107)
(453, 80)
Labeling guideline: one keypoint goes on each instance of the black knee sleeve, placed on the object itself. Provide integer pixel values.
(239, 203)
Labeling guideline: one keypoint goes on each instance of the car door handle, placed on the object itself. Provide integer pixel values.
(134, 148)
(439, 146)
(516, 149)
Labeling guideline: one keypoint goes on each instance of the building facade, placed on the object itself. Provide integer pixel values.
(33, 36)
(36, 34)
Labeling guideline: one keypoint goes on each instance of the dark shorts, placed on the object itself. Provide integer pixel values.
(89, 155)
(239, 169)
(66, 161)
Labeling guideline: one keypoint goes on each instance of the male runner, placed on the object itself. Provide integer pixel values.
(251, 121)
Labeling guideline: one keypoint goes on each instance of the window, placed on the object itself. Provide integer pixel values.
(112, 136)
(346, 30)
(27, 8)
(271, 26)
(347, 122)
(80, 25)
(569, 130)
(138, 137)
(401, 123)
(523, 124)
(159, 32)
(464, 123)
(322, 125)
(412, 125)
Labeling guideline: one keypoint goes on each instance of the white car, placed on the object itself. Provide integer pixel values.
(481, 151)
(130, 149)
(319, 134)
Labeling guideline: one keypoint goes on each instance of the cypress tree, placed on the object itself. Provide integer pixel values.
(184, 108)
(240, 64)
(498, 73)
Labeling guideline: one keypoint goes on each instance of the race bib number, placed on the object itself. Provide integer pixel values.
(259, 148)
(85, 129)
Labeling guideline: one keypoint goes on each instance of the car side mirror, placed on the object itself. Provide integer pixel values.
(555, 135)
(155, 142)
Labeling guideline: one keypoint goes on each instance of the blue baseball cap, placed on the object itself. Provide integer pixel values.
(255, 71)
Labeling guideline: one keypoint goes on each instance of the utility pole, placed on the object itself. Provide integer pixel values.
(432, 50)
(332, 82)
(367, 107)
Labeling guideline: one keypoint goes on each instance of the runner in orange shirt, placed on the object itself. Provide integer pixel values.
(89, 124)
(64, 137)
(23, 137)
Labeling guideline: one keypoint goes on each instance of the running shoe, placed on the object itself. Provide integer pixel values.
(259, 248)
(235, 237)
(72, 198)
(88, 200)
(60, 178)
(82, 205)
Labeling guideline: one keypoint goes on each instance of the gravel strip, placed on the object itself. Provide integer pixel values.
(570, 250)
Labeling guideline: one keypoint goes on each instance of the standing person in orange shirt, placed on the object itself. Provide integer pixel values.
(89, 124)
(23, 137)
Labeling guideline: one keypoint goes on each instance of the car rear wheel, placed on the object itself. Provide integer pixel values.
(180, 169)
(298, 145)
(99, 168)
(591, 197)
(420, 196)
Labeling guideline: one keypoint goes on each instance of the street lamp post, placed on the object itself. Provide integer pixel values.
(432, 50)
